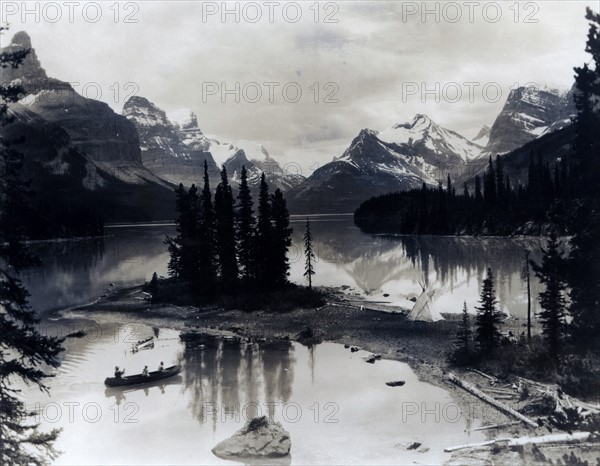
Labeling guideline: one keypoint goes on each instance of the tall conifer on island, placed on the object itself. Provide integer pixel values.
(225, 230)
(309, 270)
(263, 252)
(22, 348)
(207, 273)
(551, 274)
(282, 239)
(245, 228)
(488, 317)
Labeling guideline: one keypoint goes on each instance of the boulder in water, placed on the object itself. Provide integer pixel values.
(260, 437)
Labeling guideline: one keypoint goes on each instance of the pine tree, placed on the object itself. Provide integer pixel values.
(245, 226)
(153, 285)
(225, 229)
(263, 253)
(462, 344)
(206, 272)
(552, 300)
(488, 317)
(175, 244)
(190, 246)
(282, 239)
(23, 350)
(309, 270)
(584, 263)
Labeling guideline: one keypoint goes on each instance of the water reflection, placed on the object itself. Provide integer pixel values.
(78, 272)
(231, 379)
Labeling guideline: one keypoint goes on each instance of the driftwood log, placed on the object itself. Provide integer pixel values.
(488, 399)
(513, 442)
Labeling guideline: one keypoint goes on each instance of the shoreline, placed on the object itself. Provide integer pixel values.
(422, 345)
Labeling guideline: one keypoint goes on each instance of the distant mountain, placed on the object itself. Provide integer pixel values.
(163, 150)
(80, 148)
(399, 158)
(528, 114)
(175, 151)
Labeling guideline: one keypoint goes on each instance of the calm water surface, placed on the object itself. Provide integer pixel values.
(336, 406)
(371, 266)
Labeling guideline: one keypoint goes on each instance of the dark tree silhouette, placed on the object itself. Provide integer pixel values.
(281, 239)
(207, 264)
(584, 264)
(245, 228)
(551, 273)
(263, 253)
(462, 343)
(309, 255)
(488, 318)
(225, 229)
(23, 350)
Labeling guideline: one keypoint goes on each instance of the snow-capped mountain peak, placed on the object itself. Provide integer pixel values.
(421, 130)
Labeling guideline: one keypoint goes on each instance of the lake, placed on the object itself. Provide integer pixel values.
(380, 268)
(336, 407)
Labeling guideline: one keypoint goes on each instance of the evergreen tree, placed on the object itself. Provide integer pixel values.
(309, 270)
(153, 285)
(190, 246)
(245, 226)
(488, 317)
(584, 263)
(462, 344)
(225, 228)
(206, 272)
(24, 352)
(282, 238)
(175, 244)
(264, 252)
(552, 300)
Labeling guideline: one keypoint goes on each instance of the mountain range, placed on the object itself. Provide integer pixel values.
(127, 165)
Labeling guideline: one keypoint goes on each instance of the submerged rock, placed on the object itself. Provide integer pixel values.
(258, 438)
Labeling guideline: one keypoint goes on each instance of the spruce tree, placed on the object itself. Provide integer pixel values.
(552, 300)
(206, 273)
(245, 228)
(24, 352)
(263, 252)
(225, 229)
(462, 343)
(175, 244)
(309, 255)
(584, 263)
(281, 239)
(488, 318)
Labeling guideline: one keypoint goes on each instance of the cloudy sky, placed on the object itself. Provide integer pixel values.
(357, 64)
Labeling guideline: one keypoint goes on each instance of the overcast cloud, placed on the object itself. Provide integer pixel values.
(373, 53)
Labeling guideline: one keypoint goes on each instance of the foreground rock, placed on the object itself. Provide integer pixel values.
(258, 438)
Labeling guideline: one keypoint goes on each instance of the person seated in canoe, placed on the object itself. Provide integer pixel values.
(118, 372)
(161, 367)
(145, 372)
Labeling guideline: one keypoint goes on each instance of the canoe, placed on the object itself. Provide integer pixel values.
(139, 378)
(144, 344)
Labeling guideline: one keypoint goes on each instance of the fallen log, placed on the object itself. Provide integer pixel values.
(497, 426)
(554, 438)
(487, 398)
(483, 374)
